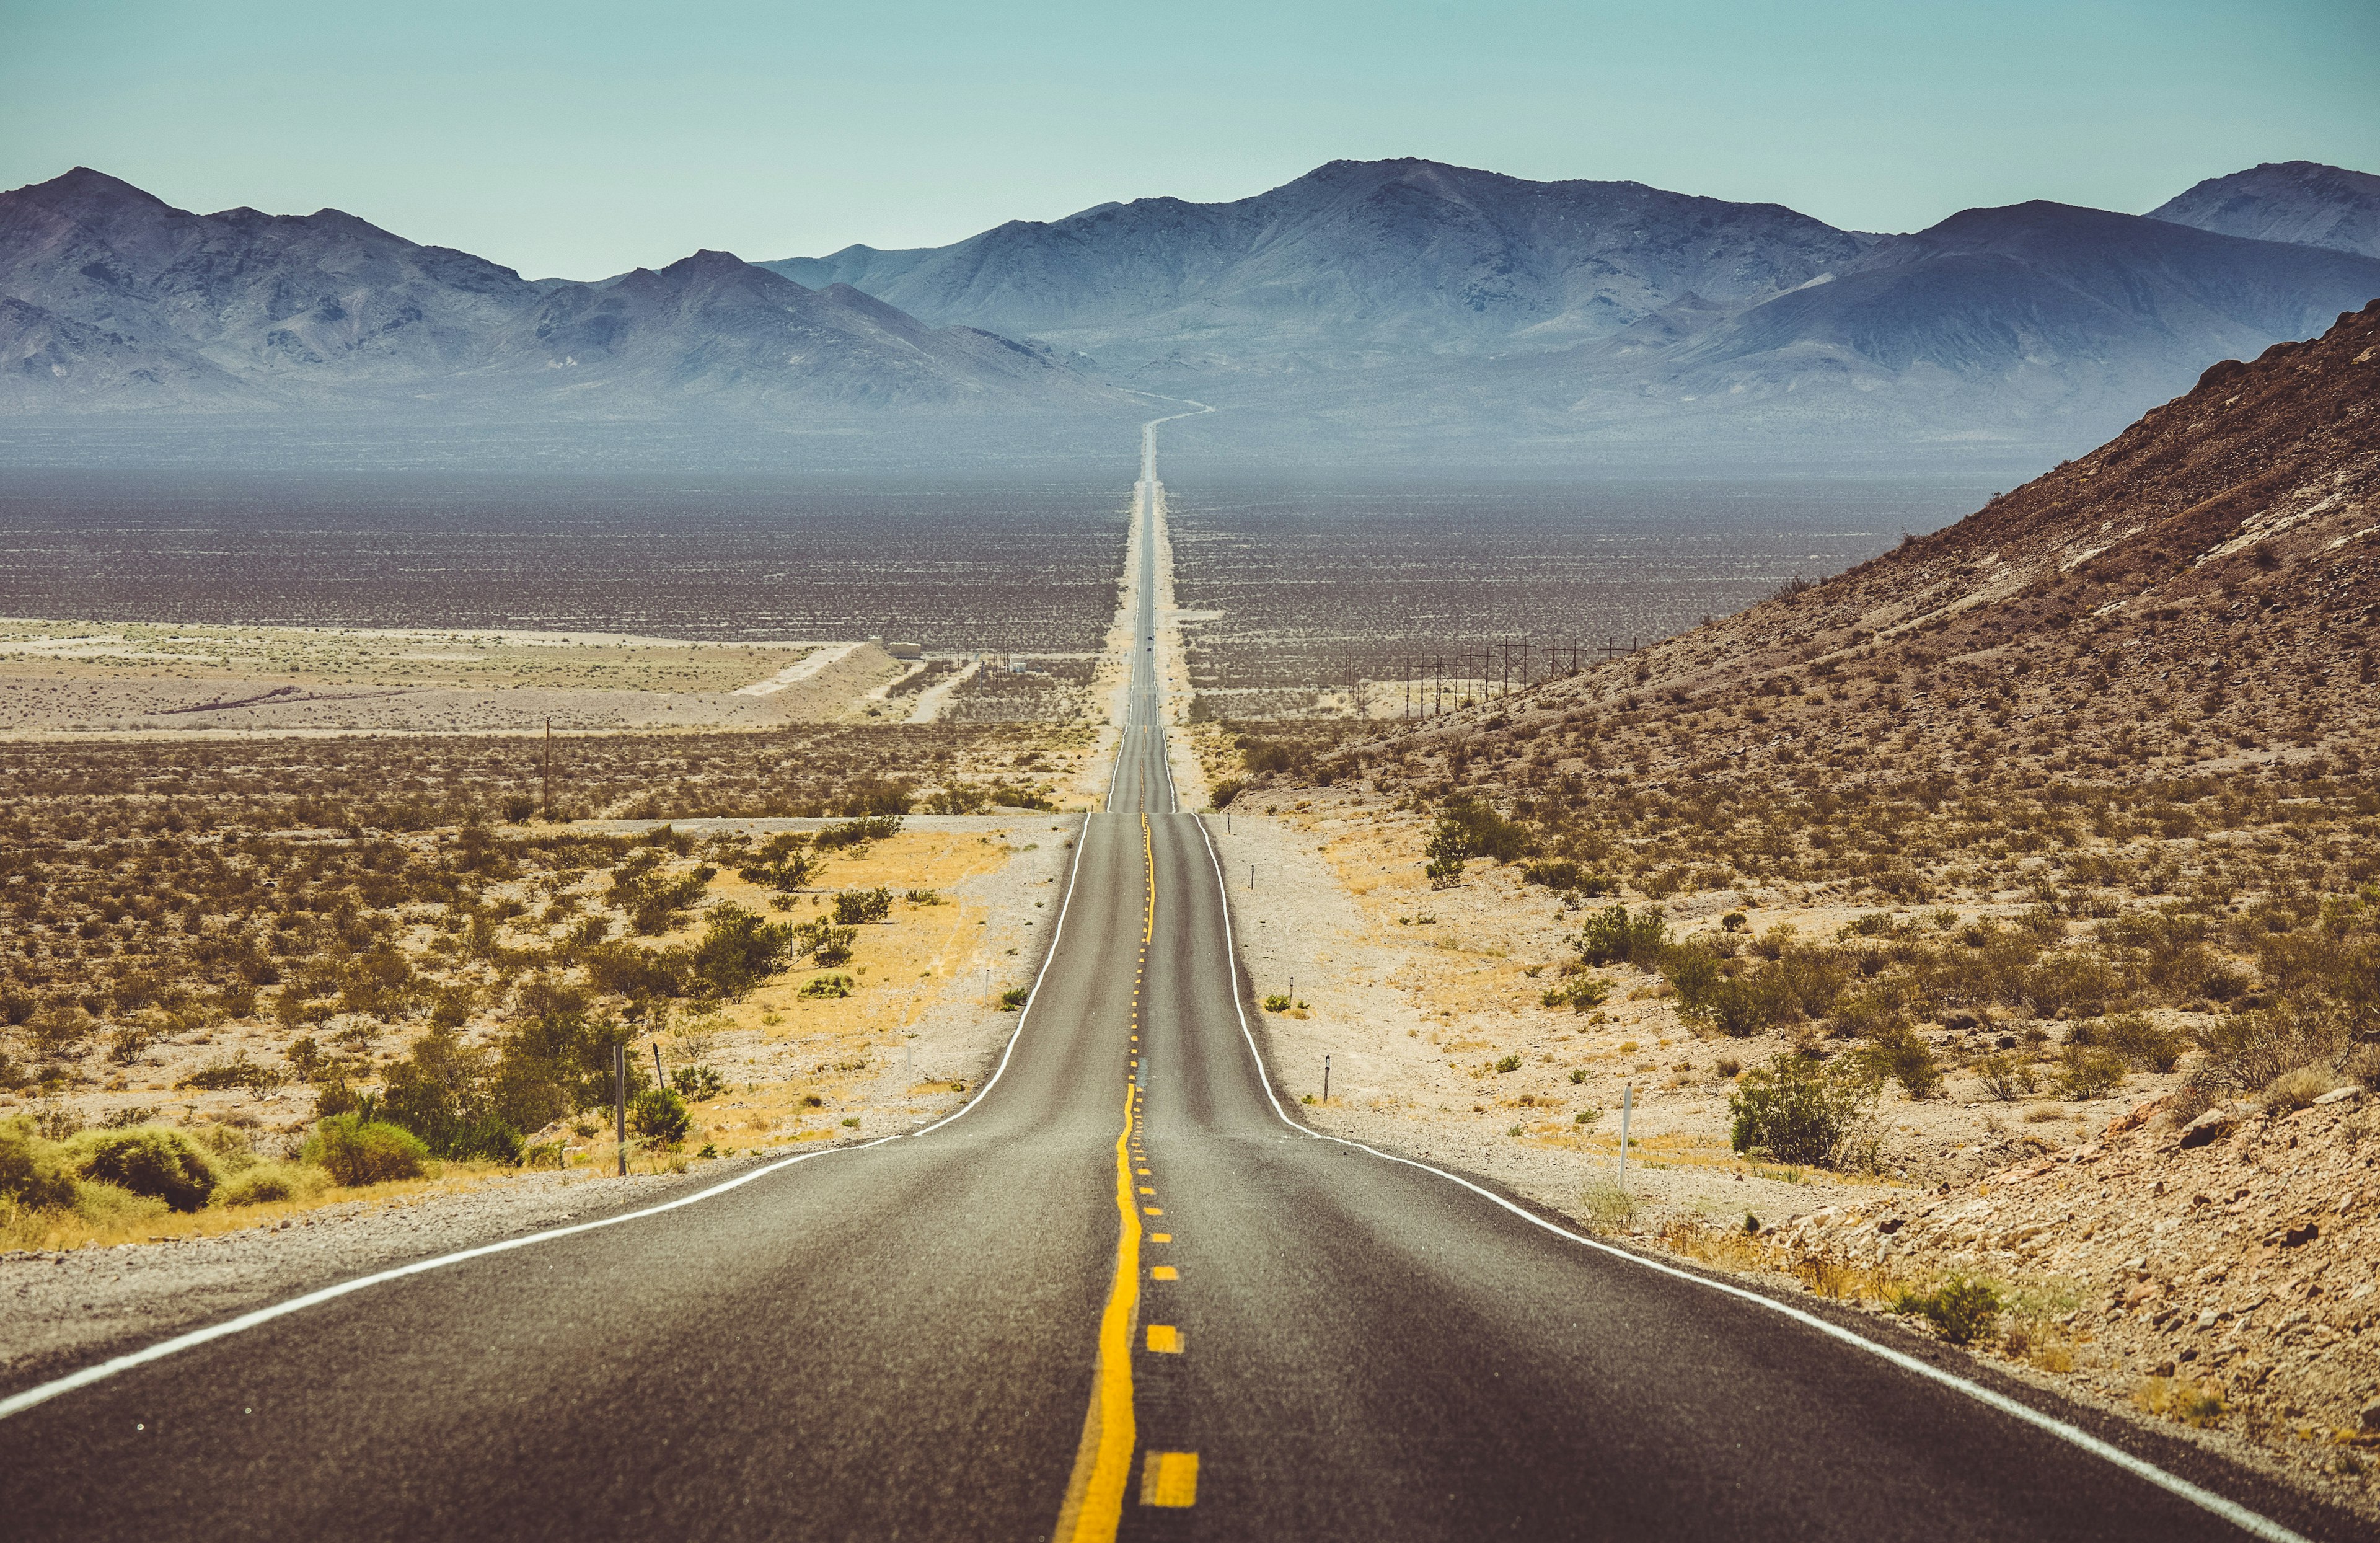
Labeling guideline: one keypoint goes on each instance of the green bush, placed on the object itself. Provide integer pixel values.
(2143, 1045)
(739, 950)
(859, 907)
(1793, 1110)
(1579, 993)
(1963, 1310)
(1606, 1208)
(1222, 793)
(354, 1150)
(1899, 1054)
(1613, 937)
(2089, 1071)
(698, 1082)
(2006, 1077)
(822, 941)
(659, 1115)
(1276, 1003)
(269, 1182)
(34, 1173)
(155, 1161)
(1510, 1064)
(840, 986)
(1467, 828)
(858, 832)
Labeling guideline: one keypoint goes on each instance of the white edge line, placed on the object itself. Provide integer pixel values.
(1057, 935)
(41, 1394)
(2231, 1511)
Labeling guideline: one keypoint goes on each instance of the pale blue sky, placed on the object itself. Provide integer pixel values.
(583, 138)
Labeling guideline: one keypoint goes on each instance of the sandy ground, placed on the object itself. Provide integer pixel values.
(76, 678)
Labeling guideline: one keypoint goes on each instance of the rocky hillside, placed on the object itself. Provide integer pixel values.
(110, 300)
(2197, 594)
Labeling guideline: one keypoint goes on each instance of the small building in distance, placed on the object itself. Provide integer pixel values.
(899, 650)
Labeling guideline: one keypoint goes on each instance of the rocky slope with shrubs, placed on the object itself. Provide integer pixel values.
(2067, 805)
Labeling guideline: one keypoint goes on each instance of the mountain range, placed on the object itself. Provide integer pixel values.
(1372, 311)
(112, 300)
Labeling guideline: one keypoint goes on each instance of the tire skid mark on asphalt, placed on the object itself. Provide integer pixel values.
(2253, 1523)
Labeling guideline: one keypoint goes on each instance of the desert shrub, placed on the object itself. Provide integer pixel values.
(1901, 1055)
(237, 1072)
(269, 1182)
(1222, 793)
(1466, 829)
(782, 864)
(1558, 873)
(1508, 1063)
(858, 832)
(2143, 1045)
(1277, 1003)
(1606, 1208)
(859, 907)
(840, 986)
(34, 1173)
(2006, 1077)
(2089, 1071)
(878, 798)
(60, 1030)
(2247, 1051)
(155, 1161)
(1614, 937)
(358, 1151)
(698, 1082)
(1961, 1309)
(739, 950)
(659, 1115)
(823, 941)
(1791, 1110)
(2295, 1089)
(623, 970)
(129, 1043)
(1579, 993)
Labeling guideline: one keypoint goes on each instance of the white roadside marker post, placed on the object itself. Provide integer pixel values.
(620, 1102)
(1326, 1080)
(1627, 1105)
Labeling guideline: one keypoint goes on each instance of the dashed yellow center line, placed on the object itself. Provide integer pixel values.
(1161, 1238)
(1162, 1272)
(1165, 1339)
(1169, 1478)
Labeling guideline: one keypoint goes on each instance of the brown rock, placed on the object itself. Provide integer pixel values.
(2211, 1126)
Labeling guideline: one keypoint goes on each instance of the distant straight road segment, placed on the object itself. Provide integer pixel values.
(1119, 1295)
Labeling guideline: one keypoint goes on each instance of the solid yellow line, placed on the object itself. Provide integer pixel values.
(1094, 1503)
(1093, 1508)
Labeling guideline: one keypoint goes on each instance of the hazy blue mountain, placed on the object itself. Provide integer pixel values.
(2304, 202)
(116, 300)
(1356, 262)
(2039, 325)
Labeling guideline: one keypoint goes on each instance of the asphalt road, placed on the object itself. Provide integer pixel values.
(1120, 1294)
